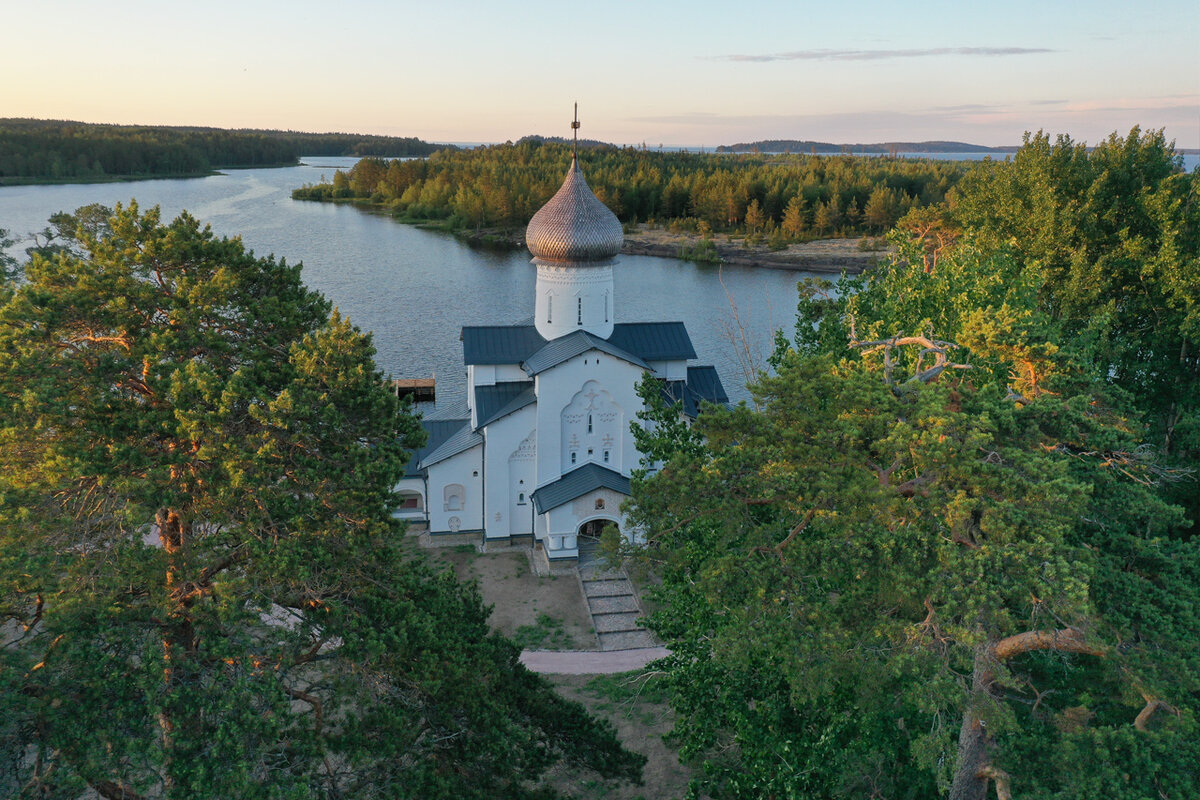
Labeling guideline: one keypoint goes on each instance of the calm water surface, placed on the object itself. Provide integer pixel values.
(415, 289)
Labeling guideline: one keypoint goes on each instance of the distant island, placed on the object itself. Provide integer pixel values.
(59, 151)
(883, 148)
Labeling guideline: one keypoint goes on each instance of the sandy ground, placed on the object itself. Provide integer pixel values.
(523, 602)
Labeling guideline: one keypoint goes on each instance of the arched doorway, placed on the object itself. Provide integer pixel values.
(594, 527)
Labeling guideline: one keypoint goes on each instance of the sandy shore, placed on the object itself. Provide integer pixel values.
(822, 255)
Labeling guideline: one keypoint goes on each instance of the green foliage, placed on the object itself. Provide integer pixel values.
(9, 269)
(50, 150)
(202, 590)
(1112, 235)
(946, 543)
(502, 186)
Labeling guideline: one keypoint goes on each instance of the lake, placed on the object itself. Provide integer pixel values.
(415, 289)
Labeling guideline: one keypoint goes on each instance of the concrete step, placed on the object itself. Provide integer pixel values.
(626, 640)
(607, 587)
(595, 574)
(617, 621)
(613, 603)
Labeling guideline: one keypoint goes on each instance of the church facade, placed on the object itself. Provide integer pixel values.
(543, 451)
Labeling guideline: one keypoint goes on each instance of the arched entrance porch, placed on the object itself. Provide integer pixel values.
(592, 528)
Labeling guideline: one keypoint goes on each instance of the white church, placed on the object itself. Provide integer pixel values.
(543, 452)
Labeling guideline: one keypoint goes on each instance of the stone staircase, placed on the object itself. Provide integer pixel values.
(611, 601)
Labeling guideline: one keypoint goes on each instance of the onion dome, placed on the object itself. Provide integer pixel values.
(574, 225)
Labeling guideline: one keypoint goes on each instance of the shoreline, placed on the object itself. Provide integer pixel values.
(829, 256)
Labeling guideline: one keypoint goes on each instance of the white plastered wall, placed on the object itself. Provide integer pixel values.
(466, 470)
(558, 386)
(507, 477)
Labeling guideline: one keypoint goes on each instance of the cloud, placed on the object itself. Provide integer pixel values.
(877, 55)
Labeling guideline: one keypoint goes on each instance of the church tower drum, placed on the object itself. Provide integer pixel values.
(574, 238)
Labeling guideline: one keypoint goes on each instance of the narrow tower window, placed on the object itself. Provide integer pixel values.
(549, 308)
(606, 306)
(589, 423)
(579, 310)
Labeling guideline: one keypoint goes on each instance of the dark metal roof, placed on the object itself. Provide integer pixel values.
(514, 344)
(461, 440)
(573, 344)
(439, 430)
(654, 341)
(501, 399)
(705, 382)
(577, 483)
(702, 383)
(500, 344)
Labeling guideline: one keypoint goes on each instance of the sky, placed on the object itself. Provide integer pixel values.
(687, 74)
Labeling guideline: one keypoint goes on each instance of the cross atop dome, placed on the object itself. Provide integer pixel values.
(574, 226)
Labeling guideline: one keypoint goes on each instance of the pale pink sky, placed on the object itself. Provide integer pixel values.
(700, 73)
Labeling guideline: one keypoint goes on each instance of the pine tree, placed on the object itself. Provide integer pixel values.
(202, 589)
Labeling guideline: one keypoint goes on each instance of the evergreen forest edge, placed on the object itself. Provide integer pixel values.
(771, 199)
(55, 151)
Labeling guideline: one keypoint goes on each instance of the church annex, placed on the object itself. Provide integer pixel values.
(544, 450)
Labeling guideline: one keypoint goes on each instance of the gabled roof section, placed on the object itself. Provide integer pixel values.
(703, 383)
(516, 344)
(501, 399)
(500, 344)
(461, 440)
(654, 341)
(576, 484)
(438, 430)
(573, 344)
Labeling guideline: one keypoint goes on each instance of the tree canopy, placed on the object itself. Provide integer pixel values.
(36, 150)
(503, 186)
(202, 590)
(947, 553)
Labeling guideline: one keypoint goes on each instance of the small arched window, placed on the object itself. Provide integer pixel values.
(600, 504)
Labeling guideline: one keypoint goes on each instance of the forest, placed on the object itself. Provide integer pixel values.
(950, 549)
(780, 198)
(44, 151)
(890, 148)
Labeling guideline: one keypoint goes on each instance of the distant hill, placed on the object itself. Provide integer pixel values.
(584, 143)
(806, 146)
(62, 151)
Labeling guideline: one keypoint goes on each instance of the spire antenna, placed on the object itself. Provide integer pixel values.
(575, 134)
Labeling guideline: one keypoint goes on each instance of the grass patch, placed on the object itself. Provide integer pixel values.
(629, 687)
(546, 634)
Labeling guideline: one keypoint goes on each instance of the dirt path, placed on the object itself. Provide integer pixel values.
(590, 662)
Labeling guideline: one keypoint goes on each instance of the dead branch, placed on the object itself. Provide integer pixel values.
(1153, 704)
(1000, 778)
(792, 534)
(1065, 640)
(110, 790)
(940, 350)
(312, 700)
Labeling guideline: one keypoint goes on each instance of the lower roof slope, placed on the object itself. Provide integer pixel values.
(514, 344)
(576, 484)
